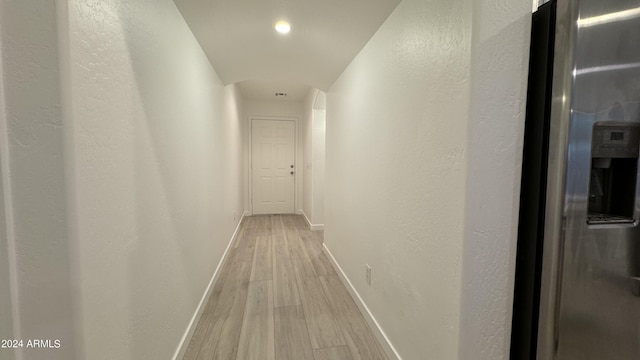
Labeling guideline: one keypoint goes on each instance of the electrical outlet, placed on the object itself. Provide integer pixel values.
(367, 269)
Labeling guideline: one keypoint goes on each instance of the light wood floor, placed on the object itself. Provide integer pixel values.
(278, 298)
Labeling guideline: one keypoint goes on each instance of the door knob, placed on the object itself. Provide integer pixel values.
(292, 173)
(292, 166)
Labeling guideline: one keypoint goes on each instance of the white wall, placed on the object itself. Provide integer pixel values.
(306, 130)
(6, 317)
(277, 109)
(424, 139)
(396, 142)
(31, 156)
(501, 33)
(154, 144)
(121, 157)
(6, 273)
(313, 144)
(318, 163)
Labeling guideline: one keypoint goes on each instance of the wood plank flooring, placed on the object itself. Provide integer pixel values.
(278, 298)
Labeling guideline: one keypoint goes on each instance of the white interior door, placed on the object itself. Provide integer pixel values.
(272, 161)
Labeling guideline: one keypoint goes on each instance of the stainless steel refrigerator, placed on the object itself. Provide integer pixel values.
(577, 292)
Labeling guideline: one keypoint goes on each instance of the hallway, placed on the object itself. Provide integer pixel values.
(278, 297)
(127, 166)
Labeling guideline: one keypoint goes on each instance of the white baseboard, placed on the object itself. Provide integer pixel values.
(186, 338)
(313, 227)
(388, 348)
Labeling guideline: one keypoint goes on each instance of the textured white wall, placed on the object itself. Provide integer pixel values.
(501, 32)
(397, 159)
(306, 130)
(31, 153)
(396, 142)
(6, 316)
(282, 109)
(155, 144)
(318, 161)
(313, 144)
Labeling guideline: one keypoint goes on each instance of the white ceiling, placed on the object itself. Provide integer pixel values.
(239, 39)
(262, 90)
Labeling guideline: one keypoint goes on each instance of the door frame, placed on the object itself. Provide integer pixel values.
(296, 178)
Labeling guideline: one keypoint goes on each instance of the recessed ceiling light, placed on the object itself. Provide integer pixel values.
(283, 27)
